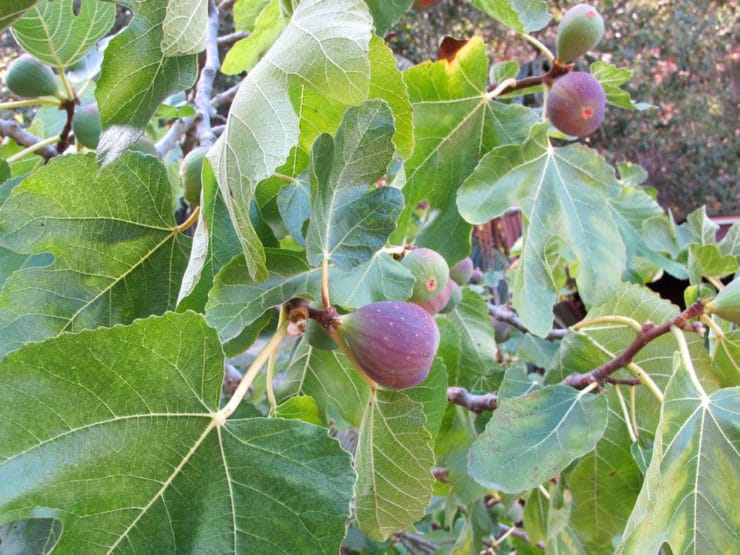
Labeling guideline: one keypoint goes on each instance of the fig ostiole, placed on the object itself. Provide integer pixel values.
(393, 342)
(429, 269)
(27, 77)
(440, 300)
(576, 104)
(579, 31)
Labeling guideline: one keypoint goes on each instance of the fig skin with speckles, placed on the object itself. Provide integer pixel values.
(393, 341)
(430, 270)
(576, 104)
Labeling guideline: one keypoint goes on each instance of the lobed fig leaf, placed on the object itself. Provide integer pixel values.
(431, 273)
(579, 31)
(87, 125)
(27, 77)
(190, 175)
(393, 341)
(576, 104)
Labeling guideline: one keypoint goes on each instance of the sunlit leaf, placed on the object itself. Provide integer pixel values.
(245, 53)
(387, 12)
(520, 15)
(688, 499)
(118, 254)
(563, 193)
(131, 411)
(184, 27)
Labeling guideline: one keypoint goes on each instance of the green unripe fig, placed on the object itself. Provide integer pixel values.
(144, 145)
(579, 31)
(190, 175)
(429, 269)
(86, 125)
(460, 273)
(456, 296)
(28, 78)
(576, 104)
(727, 302)
(393, 341)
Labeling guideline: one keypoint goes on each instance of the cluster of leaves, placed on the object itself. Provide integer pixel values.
(115, 321)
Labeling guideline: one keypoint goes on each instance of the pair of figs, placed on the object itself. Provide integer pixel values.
(576, 104)
(395, 342)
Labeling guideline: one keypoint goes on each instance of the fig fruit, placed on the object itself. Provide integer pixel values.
(579, 31)
(28, 78)
(86, 125)
(576, 104)
(144, 145)
(460, 273)
(430, 270)
(456, 296)
(439, 301)
(393, 341)
(727, 302)
(190, 175)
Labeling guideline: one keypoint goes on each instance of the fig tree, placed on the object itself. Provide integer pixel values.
(579, 31)
(430, 270)
(393, 341)
(190, 175)
(576, 104)
(87, 126)
(27, 77)
(461, 272)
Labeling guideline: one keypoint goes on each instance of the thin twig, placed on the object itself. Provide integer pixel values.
(15, 131)
(648, 333)
(471, 401)
(521, 534)
(232, 37)
(503, 313)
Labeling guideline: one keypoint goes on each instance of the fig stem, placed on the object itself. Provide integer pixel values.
(269, 385)
(625, 414)
(337, 337)
(29, 102)
(718, 285)
(539, 46)
(191, 219)
(325, 283)
(683, 351)
(31, 149)
(612, 319)
(252, 371)
(68, 91)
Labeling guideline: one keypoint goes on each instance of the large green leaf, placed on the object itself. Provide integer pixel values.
(136, 76)
(689, 498)
(331, 379)
(350, 218)
(524, 16)
(380, 278)
(605, 484)
(237, 300)
(263, 126)
(12, 10)
(118, 254)
(726, 358)
(54, 34)
(530, 439)
(595, 345)
(131, 412)
(563, 193)
(454, 125)
(184, 27)
(393, 463)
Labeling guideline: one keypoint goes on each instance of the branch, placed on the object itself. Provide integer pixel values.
(15, 131)
(517, 533)
(556, 71)
(232, 37)
(647, 334)
(204, 88)
(503, 313)
(69, 107)
(471, 401)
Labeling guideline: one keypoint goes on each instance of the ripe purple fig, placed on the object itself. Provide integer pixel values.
(393, 341)
(576, 104)
(461, 272)
(430, 270)
(579, 31)
(456, 295)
